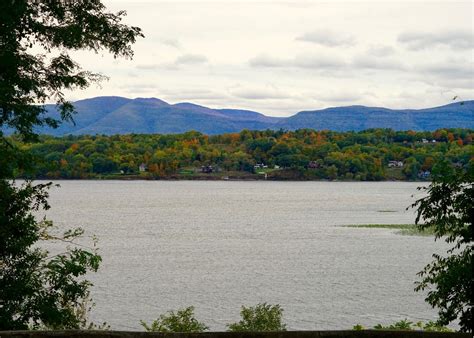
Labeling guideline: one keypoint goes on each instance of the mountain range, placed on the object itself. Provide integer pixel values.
(118, 115)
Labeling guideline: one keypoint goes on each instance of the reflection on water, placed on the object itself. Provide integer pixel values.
(220, 245)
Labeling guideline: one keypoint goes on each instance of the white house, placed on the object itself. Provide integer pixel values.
(142, 167)
(395, 164)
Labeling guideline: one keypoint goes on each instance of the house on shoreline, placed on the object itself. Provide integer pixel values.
(395, 164)
(142, 168)
(207, 169)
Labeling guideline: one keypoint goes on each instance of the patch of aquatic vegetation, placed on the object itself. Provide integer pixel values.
(403, 229)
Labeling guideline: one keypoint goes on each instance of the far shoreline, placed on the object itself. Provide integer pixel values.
(214, 179)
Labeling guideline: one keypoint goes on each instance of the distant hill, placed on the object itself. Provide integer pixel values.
(455, 115)
(117, 115)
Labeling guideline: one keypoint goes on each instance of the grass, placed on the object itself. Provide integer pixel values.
(265, 170)
(403, 229)
(395, 174)
(186, 172)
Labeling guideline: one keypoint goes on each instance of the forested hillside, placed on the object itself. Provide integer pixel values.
(375, 154)
(112, 115)
(455, 115)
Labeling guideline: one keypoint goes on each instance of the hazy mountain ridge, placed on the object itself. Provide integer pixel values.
(454, 115)
(118, 115)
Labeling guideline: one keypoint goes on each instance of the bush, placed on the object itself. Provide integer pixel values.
(262, 317)
(39, 290)
(405, 325)
(181, 321)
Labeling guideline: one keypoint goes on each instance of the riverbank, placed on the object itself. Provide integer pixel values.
(280, 175)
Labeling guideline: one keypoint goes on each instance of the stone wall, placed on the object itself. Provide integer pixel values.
(287, 334)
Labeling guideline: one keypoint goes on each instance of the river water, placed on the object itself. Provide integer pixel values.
(219, 245)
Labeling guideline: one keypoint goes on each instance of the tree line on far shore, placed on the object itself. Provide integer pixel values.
(370, 155)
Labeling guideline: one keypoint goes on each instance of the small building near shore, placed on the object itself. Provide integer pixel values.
(395, 164)
(260, 166)
(207, 169)
(313, 165)
(424, 175)
(142, 168)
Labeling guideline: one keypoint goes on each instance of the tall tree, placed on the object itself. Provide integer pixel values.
(449, 210)
(36, 37)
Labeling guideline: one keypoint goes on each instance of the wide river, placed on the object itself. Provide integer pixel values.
(219, 245)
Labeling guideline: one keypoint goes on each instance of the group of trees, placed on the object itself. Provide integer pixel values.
(304, 154)
(261, 317)
(38, 289)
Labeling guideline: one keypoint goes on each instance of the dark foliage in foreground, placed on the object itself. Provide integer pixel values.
(449, 211)
(38, 288)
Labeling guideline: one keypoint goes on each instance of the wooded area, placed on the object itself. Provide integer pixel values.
(376, 154)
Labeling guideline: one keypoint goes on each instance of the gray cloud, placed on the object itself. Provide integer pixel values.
(452, 39)
(186, 59)
(171, 42)
(324, 63)
(454, 69)
(340, 96)
(456, 85)
(268, 61)
(138, 87)
(259, 93)
(372, 62)
(192, 94)
(452, 75)
(150, 66)
(380, 50)
(327, 38)
(316, 62)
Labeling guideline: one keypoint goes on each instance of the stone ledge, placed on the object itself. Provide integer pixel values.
(286, 334)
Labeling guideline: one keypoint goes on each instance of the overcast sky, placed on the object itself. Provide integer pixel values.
(283, 57)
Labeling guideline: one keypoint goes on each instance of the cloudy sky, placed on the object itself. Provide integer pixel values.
(283, 57)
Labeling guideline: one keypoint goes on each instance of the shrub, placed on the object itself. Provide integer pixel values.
(181, 321)
(262, 317)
